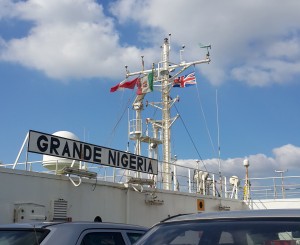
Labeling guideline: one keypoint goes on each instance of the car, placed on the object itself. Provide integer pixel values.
(252, 227)
(70, 233)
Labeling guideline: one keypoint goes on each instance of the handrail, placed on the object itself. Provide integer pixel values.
(188, 180)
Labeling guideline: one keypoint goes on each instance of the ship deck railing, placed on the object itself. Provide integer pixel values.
(182, 179)
(188, 180)
(275, 187)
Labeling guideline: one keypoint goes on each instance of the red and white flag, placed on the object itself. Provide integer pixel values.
(124, 84)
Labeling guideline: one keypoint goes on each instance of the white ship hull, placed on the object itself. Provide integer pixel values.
(35, 193)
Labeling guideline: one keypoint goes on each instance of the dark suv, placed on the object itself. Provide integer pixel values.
(70, 233)
(253, 227)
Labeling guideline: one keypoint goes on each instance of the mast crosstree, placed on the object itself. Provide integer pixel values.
(162, 75)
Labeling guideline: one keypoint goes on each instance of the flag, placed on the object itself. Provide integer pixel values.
(145, 84)
(125, 84)
(185, 81)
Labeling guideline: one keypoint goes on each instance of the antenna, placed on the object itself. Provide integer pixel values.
(127, 71)
(181, 53)
(128, 120)
(143, 63)
(219, 149)
(207, 47)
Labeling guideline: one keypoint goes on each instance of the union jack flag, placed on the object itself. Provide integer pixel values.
(185, 81)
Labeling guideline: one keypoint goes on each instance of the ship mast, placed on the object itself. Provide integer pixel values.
(166, 132)
(135, 128)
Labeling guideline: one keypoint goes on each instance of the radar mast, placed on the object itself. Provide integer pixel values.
(162, 76)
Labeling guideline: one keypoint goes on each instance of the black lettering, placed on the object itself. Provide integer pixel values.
(150, 168)
(42, 146)
(97, 154)
(77, 151)
(139, 163)
(112, 158)
(87, 152)
(132, 162)
(66, 150)
(55, 143)
(124, 160)
(118, 158)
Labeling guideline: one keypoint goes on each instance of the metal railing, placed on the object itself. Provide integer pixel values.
(275, 187)
(184, 179)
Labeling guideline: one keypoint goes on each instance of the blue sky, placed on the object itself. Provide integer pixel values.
(58, 60)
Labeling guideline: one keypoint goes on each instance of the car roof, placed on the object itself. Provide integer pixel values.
(244, 214)
(75, 225)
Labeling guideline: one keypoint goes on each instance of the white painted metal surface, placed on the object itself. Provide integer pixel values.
(114, 202)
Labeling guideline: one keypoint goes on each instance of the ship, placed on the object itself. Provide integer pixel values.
(76, 180)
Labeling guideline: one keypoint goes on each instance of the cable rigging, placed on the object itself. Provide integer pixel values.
(120, 119)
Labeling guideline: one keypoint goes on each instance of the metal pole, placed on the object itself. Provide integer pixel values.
(247, 181)
(19, 154)
(282, 184)
(166, 117)
(190, 186)
(138, 134)
(275, 192)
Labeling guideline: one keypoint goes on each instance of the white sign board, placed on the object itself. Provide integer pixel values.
(53, 145)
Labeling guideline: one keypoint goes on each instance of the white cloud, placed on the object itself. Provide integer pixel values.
(267, 72)
(67, 12)
(285, 158)
(242, 34)
(252, 75)
(6, 9)
(251, 41)
(69, 39)
(279, 63)
(289, 49)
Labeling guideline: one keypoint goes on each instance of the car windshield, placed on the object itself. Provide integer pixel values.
(234, 232)
(22, 236)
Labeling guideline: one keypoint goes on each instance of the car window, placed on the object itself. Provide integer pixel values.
(226, 238)
(22, 236)
(235, 232)
(103, 238)
(134, 236)
(189, 237)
